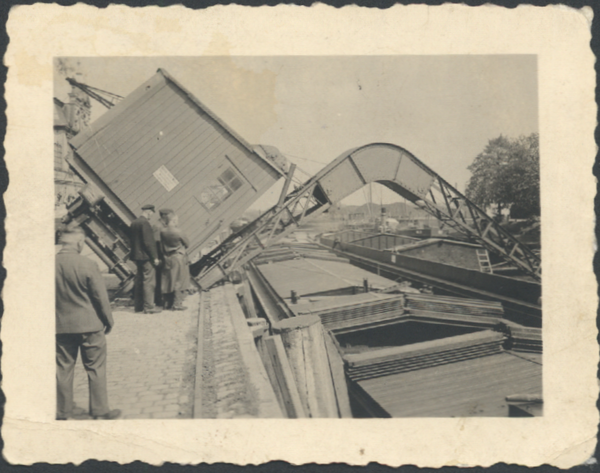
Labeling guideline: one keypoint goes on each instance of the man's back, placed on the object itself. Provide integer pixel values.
(173, 239)
(81, 300)
(143, 244)
(83, 318)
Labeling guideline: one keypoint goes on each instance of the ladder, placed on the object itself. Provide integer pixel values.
(483, 258)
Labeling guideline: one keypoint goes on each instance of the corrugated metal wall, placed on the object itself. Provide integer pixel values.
(447, 253)
(159, 146)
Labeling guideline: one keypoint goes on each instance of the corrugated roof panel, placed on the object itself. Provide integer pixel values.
(476, 387)
(309, 276)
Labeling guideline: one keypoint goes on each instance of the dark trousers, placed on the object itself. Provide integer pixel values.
(93, 355)
(158, 295)
(173, 299)
(143, 289)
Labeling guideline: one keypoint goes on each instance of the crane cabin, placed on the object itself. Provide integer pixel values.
(161, 145)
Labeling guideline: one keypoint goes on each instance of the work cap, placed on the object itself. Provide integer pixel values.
(71, 235)
(148, 207)
(164, 212)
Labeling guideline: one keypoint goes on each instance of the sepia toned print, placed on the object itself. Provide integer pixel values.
(337, 235)
(369, 288)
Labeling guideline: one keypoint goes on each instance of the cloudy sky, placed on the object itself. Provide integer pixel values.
(443, 109)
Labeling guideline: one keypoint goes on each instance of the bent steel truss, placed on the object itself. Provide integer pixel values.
(387, 164)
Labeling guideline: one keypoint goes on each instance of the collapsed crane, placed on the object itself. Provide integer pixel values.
(389, 165)
(163, 144)
(108, 99)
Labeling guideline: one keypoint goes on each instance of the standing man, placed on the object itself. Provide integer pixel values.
(157, 228)
(176, 273)
(143, 252)
(83, 317)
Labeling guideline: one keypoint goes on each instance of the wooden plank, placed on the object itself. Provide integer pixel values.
(271, 309)
(266, 400)
(263, 352)
(284, 376)
(197, 405)
(247, 298)
(338, 375)
(303, 340)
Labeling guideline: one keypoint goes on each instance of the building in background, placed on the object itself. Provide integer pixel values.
(69, 119)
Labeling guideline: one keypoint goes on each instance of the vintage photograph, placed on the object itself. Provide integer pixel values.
(297, 237)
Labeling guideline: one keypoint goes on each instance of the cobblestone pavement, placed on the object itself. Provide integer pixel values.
(151, 364)
(226, 392)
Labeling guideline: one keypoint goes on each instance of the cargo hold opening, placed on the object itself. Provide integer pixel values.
(400, 334)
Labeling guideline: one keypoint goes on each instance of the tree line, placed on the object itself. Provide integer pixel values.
(506, 175)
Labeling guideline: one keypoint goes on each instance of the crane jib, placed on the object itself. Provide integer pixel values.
(389, 165)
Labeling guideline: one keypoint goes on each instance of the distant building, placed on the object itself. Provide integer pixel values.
(69, 119)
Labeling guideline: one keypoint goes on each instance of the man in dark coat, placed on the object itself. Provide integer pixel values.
(145, 256)
(83, 317)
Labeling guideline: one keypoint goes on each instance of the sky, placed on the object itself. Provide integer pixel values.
(443, 109)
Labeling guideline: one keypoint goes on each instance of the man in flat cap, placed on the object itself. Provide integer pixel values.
(145, 256)
(83, 317)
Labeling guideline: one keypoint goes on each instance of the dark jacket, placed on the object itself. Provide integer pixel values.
(81, 300)
(143, 244)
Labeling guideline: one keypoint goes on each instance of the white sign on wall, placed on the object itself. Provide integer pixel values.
(167, 179)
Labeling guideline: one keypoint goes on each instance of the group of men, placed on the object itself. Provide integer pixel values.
(159, 253)
(83, 313)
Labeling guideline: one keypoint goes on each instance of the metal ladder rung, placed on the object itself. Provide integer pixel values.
(483, 258)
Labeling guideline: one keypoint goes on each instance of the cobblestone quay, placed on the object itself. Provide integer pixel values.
(150, 366)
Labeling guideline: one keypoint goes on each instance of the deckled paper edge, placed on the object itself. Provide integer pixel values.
(565, 436)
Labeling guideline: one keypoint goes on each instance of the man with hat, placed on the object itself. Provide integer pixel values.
(145, 256)
(83, 318)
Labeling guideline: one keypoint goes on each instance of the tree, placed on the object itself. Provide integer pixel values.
(506, 175)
